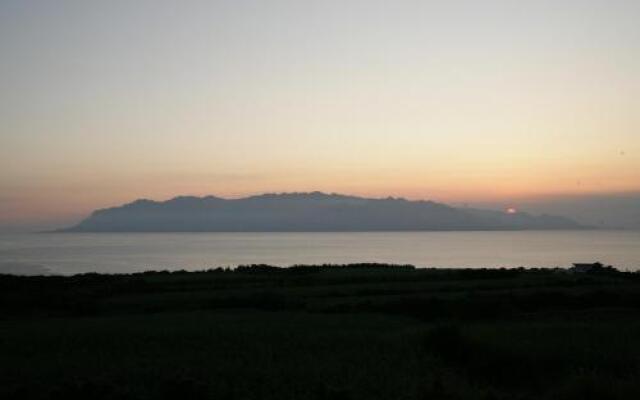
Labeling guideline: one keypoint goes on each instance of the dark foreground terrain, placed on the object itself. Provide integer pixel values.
(324, 332)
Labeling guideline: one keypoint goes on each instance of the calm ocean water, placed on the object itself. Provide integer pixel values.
(76, 253)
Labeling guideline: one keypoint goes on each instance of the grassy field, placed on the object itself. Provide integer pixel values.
(322, 332)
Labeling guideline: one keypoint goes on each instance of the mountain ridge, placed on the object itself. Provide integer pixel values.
(305, 211)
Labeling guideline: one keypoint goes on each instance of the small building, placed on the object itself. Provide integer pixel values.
(581, 268)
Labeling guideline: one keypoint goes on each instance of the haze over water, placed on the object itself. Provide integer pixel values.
(78, 253)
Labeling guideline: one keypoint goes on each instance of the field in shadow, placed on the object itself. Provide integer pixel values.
(363, 331)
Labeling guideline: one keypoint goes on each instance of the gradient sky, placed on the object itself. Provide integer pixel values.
(102, 102)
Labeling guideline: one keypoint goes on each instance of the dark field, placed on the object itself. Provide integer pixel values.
(349, 332)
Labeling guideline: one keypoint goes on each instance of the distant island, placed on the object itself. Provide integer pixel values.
(306, 212)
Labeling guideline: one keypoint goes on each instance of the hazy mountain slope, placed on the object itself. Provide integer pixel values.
(304, 212)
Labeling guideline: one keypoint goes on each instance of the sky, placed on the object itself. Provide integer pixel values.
(500, 103)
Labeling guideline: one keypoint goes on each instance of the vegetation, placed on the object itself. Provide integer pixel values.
(365, 331)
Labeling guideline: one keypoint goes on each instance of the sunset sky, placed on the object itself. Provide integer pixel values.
(492, 102)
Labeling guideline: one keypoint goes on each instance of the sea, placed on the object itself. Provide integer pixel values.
(71, 253)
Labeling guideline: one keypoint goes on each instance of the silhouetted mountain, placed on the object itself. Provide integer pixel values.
(296, 212)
